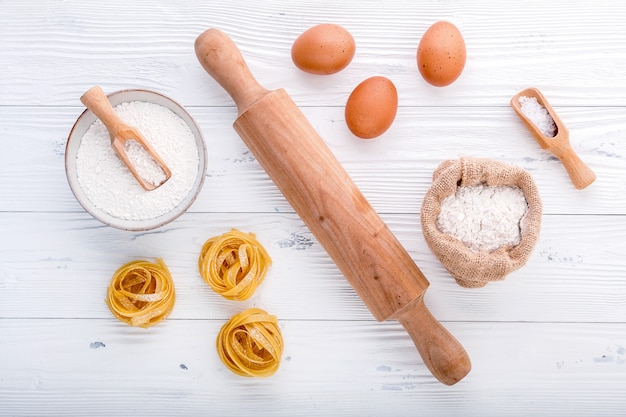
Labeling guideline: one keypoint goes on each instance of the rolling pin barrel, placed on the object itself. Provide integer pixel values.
(310, 177)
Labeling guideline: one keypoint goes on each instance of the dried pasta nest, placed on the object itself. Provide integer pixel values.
(469, 268)
(250, 343)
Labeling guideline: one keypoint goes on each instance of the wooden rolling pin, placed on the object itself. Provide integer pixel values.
(318, 188)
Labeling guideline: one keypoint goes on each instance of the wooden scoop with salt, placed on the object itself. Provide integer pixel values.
(556, 142)
(128, 143)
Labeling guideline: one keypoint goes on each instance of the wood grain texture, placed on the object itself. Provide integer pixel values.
(150, 45)
(353, 368)
(572, 275)
(547, 341)
(393, 171)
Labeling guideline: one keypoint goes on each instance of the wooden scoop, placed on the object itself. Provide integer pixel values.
(311, 178)
(121, 133)
(580, 174)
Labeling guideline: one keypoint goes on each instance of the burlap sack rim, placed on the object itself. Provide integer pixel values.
(470, 269)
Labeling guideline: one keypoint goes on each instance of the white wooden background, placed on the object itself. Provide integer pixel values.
(550, 340)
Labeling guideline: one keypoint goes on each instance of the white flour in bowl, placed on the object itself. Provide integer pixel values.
(484, 217)
(146, 167)
(108, 183)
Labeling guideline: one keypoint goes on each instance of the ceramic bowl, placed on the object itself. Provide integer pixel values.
(81, 126)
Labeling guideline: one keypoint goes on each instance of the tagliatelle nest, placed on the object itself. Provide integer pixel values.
(234, 264)
(250, 343)
(141, 293)
(475, 269)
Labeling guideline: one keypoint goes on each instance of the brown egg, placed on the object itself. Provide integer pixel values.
(323, 49)
(371, 107)
(441, 54)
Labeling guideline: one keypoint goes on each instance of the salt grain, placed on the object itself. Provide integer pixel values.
(108, 183)
(484, 217)
(538, 114)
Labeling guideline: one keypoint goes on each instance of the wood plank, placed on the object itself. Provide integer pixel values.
(60, 264)
(393, 171)
(549, 340)
(328, 368)
(73, 45)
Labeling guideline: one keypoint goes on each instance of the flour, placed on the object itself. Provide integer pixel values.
(484, 217)
(538, 114)
(109, 184)
(146, 167)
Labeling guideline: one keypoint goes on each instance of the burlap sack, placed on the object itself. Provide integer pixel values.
(470, 269)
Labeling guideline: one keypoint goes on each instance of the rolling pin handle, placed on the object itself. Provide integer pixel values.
(444, 356)
(221, 58)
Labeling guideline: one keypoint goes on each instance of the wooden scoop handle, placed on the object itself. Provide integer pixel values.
(579, 172)
(96, 100)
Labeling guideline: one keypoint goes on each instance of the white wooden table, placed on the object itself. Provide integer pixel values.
(549, 340)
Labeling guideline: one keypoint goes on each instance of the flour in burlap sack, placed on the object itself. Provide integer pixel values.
(474, 269)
